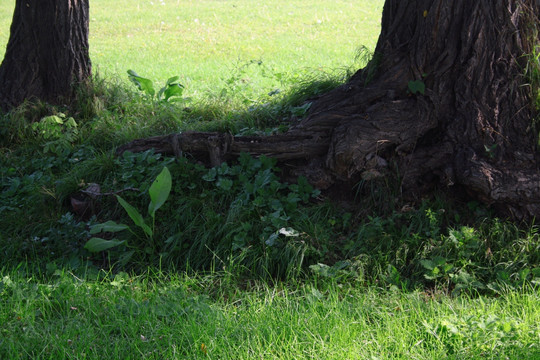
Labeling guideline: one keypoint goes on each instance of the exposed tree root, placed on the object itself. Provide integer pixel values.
(471, 127)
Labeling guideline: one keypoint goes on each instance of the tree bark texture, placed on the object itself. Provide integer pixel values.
(472, 126)
(47, 51)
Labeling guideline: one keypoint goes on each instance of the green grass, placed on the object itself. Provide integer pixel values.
(204, 42)
(229, 56)
(170, 317)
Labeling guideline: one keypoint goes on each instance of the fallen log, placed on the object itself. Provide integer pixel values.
(220, 147)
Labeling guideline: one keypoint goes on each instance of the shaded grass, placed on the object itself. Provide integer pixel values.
(241, 216)
(157, 316)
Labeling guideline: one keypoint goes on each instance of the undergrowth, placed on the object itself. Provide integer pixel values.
(241, 217)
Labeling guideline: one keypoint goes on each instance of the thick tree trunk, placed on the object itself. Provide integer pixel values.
(472, 127)
(47, 51)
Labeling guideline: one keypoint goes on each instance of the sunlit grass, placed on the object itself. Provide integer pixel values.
(171, 317)
(205, 41)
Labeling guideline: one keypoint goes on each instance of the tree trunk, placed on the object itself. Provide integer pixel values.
(472, 126)
(444, 102)
(47, 51)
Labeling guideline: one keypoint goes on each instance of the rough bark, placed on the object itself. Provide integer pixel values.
(472, 127)
(47, 51)
(221, 147)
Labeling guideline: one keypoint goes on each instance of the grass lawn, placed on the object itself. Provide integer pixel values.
(206, 41)
(182, 317)
(267, 270)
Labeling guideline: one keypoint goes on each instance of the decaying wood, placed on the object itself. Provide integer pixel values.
(472, 127)
(221, 147)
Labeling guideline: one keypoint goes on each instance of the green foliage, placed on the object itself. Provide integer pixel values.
(98, 244)
(532, 72)
(172, 91)
(28, 195)
(241, 216)
(135, 216)
(58, 132)
(239, 222)
(133, 169)
(244, 218)
(159, 192)
(370, 62)
(411, 249)
(485, 333)
(417, 87)
(209, 213)
(16, 127)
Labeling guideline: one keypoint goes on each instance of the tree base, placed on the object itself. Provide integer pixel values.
(468, 125)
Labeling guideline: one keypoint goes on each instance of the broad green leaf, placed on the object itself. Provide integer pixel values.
(427, 264)
(417, 86)
(159, 191)
(135, 215)
(160, 93)
(146, 85)
(210, 175)
(70, 122)
(109, 226)
(52, 119)
(271, 241)
(173, 79)
(173, 90)
(132, 73)
(142, 84)
(98, 244)
(224, 183)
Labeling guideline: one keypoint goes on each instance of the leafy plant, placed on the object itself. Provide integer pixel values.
(437, 267)
(132, 169)
(417, 87)
(159, 192)
(238, 83)
(240, 213)
(58, 131)
(172, 91)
